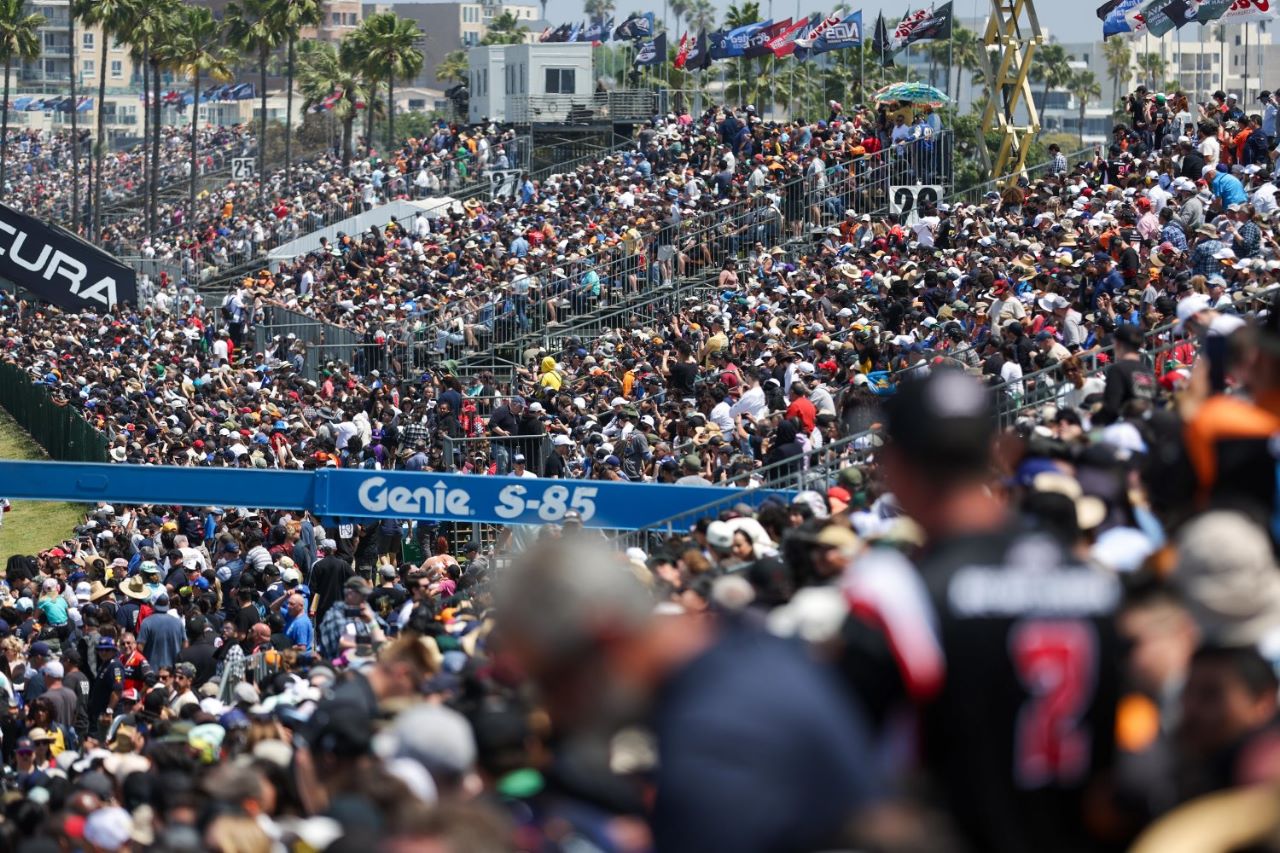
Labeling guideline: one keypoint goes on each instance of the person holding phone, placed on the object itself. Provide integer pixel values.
(353, 624)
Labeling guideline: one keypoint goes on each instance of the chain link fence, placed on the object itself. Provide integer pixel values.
(57, 427)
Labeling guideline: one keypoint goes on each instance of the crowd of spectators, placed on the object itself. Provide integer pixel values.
(693, 192)
(1043, 637)
(239, 221)
(38, 177)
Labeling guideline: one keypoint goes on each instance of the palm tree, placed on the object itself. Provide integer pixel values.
(322, 74)
(294, 15)
(111, 17)
(506, 29)
(200, 50)
(678, 8)
(601, 10)
(1084, 87)
(701, 15)
(151, 45)
(20, 40)
(453, 68)
(391, 43)
(73, 11)
(739, 16)
(1119, 64)
(252, 28)
(1152, 66)
(966, 47)
(1051, 66)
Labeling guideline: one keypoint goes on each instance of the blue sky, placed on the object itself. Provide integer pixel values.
(1062, 19)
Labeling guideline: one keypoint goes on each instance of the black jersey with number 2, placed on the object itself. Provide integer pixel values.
(1006, 647)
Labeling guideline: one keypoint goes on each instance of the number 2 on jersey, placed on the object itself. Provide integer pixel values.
(1057, 664)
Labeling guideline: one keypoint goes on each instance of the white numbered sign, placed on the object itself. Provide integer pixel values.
(906, 201)
(244, 168)
(503, 182)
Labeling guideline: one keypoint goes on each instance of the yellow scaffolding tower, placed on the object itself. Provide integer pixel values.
(1013, 34)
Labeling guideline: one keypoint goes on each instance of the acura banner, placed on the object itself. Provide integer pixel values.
(59, 268)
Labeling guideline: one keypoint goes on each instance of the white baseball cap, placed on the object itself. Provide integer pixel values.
(1190, 307)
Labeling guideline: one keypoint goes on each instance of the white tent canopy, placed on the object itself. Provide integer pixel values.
(378, 217)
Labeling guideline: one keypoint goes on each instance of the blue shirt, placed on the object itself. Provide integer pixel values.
(1229, 189)
(300, 631)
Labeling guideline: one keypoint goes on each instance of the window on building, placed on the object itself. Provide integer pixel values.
(86, 41)
(352, 19)
(87, 67)
(335, 18)
(523, 79)
(560, 81)
(484, 81)
(117, 68)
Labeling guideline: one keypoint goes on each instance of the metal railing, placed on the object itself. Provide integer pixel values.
(1050, 385)
(973, 195)
(677, 257)
(459, 452)
(634, 105)
(322, 343)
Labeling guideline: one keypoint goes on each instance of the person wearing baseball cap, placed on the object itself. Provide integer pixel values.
(327, 577)
(107, 686)
(353, 624)
(960, 622)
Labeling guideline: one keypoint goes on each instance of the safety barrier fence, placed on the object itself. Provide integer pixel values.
(56, 427)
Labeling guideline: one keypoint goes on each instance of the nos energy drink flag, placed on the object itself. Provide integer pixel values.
(846, 34)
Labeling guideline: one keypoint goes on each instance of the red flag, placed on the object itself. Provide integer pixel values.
(785, 43)
(682, 52)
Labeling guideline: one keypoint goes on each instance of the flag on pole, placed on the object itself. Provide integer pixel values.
(784, 44)
(1165, 15)
(1250, 12)
(652, 52)
(682, 52)
(635, 27)
(738, 40)
(1107, 7)
(574, 33)
(925, 25)
(718, 45)
(881, 43)
(1207, 11)
(758, 43)
(1125, 19)
(699, 58)
(844, 35)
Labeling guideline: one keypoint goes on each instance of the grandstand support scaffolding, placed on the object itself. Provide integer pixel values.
(1013, 34)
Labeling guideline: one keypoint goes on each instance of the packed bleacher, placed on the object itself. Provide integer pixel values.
(1006, 580)
(38, 176)
(237, 223)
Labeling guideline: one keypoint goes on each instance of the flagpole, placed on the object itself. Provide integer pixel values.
(951, 43)
(862, 72)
